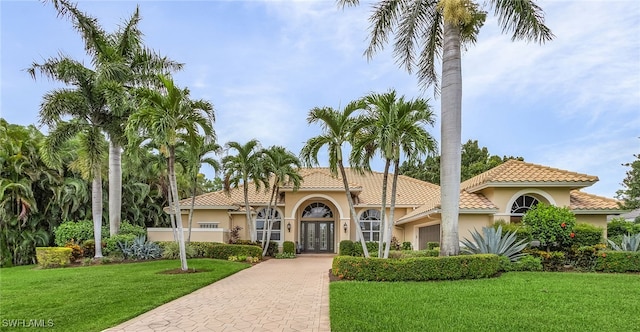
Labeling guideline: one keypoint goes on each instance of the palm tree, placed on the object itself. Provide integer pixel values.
(87, 108)
(122, 62)
(338, 128)
(245, 165)
(426, 31)
(196, 155)
(283, 166)
(164, 117)
(394, 127)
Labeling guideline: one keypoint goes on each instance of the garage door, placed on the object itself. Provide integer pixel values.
(428, 234)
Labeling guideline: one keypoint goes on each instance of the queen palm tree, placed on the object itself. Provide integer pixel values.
(122, 62)
(86, 106)
(240, 168)
(165, 117)
(338, 129)
(394, 127)
(283, 166)
(426, 31)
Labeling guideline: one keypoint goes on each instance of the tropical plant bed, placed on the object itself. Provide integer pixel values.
(97, 297)
(516, 301)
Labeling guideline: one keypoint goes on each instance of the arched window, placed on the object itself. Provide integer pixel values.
(521, 205)
(370, 225)
(276, 221)
(317, 210)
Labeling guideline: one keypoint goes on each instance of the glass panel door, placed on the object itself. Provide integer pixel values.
(317, 236)
(310, 236)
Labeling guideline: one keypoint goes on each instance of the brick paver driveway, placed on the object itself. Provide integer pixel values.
(275, 295)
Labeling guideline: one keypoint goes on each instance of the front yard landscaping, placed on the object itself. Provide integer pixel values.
(97, 297)
(515, 301)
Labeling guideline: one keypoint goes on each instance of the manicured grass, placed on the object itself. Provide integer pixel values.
(522, 301)
(97, 297)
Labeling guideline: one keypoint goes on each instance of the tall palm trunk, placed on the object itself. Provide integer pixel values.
(451, 108)
(115, 188)
(96, 210)
(391, 222)
(193, 203)
(276, 193)
(266, 235)
(383, 209)
(252, 228)
(173, 184)
(352, 210)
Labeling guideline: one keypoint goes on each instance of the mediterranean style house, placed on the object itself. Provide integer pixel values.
(316, 216)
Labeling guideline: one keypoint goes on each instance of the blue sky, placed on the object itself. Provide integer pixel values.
(573, 103)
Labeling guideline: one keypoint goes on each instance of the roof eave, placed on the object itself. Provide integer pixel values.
(597, 211)
(479, 211)
(545, 184)
(418, 216)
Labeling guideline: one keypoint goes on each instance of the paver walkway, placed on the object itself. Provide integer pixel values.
(275, 295)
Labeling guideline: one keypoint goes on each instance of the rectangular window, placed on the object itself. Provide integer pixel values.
(275, 230)
(208, 224)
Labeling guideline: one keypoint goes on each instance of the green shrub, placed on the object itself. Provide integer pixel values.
(372, 247)
(111, 244)
(619, 226)
(53, 256)
(398, 254)
(285, 255)
(76, 251)
(584, 258)
(89, 248)
(346, 248)
(272, 250)
(223, 251)
(200, 249)
(527, 263)
(586, 235)
(523, 233)
(78, 231)
(395, 244)
(433, 245)
(406, 245)
(127, 228)
(288, 247)
(416, 269)
(493, 241)
(618, 261)
(551, 260)
(551, 225)
(171, 250)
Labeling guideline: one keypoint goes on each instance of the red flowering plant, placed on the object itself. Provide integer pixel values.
(551, 225)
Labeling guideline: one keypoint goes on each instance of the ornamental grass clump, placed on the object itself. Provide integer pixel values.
(492, 241)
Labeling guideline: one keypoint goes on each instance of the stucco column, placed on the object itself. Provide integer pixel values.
(289, 235)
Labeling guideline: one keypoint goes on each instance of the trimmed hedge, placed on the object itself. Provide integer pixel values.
(618, 261)
(223, 251)
(586, 235)
(416, 269)
(346, 248)
(288, 247)
(53, 256)
(433, 245)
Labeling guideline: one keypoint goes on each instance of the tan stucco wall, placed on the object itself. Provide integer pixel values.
(197, 235)
(503, 198)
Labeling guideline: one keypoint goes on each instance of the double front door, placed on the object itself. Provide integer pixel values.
(317, 236)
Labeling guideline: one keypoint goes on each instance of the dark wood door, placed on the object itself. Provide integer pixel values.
(317, 236)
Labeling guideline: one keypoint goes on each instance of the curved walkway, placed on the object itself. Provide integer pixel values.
(275, 295)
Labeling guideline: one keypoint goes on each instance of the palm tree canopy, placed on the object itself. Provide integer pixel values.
(338, 127)
(283, 165)
(243, 166)
(417, 28)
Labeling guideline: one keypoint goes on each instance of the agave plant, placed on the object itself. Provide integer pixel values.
(140, 249)
(629, 243)
(492, 241)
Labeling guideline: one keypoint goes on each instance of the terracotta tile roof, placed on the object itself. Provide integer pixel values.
(581, 201)
(468, 201)
(367, 186)
(515, 172)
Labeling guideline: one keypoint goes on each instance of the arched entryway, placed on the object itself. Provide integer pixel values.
(317, 228)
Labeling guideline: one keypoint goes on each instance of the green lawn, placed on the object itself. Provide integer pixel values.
(522, 301)
(97, 297)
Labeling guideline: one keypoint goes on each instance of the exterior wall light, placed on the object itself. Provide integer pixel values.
(289, 227)
(344, 227)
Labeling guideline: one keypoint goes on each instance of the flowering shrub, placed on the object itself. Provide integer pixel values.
(551, 225)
